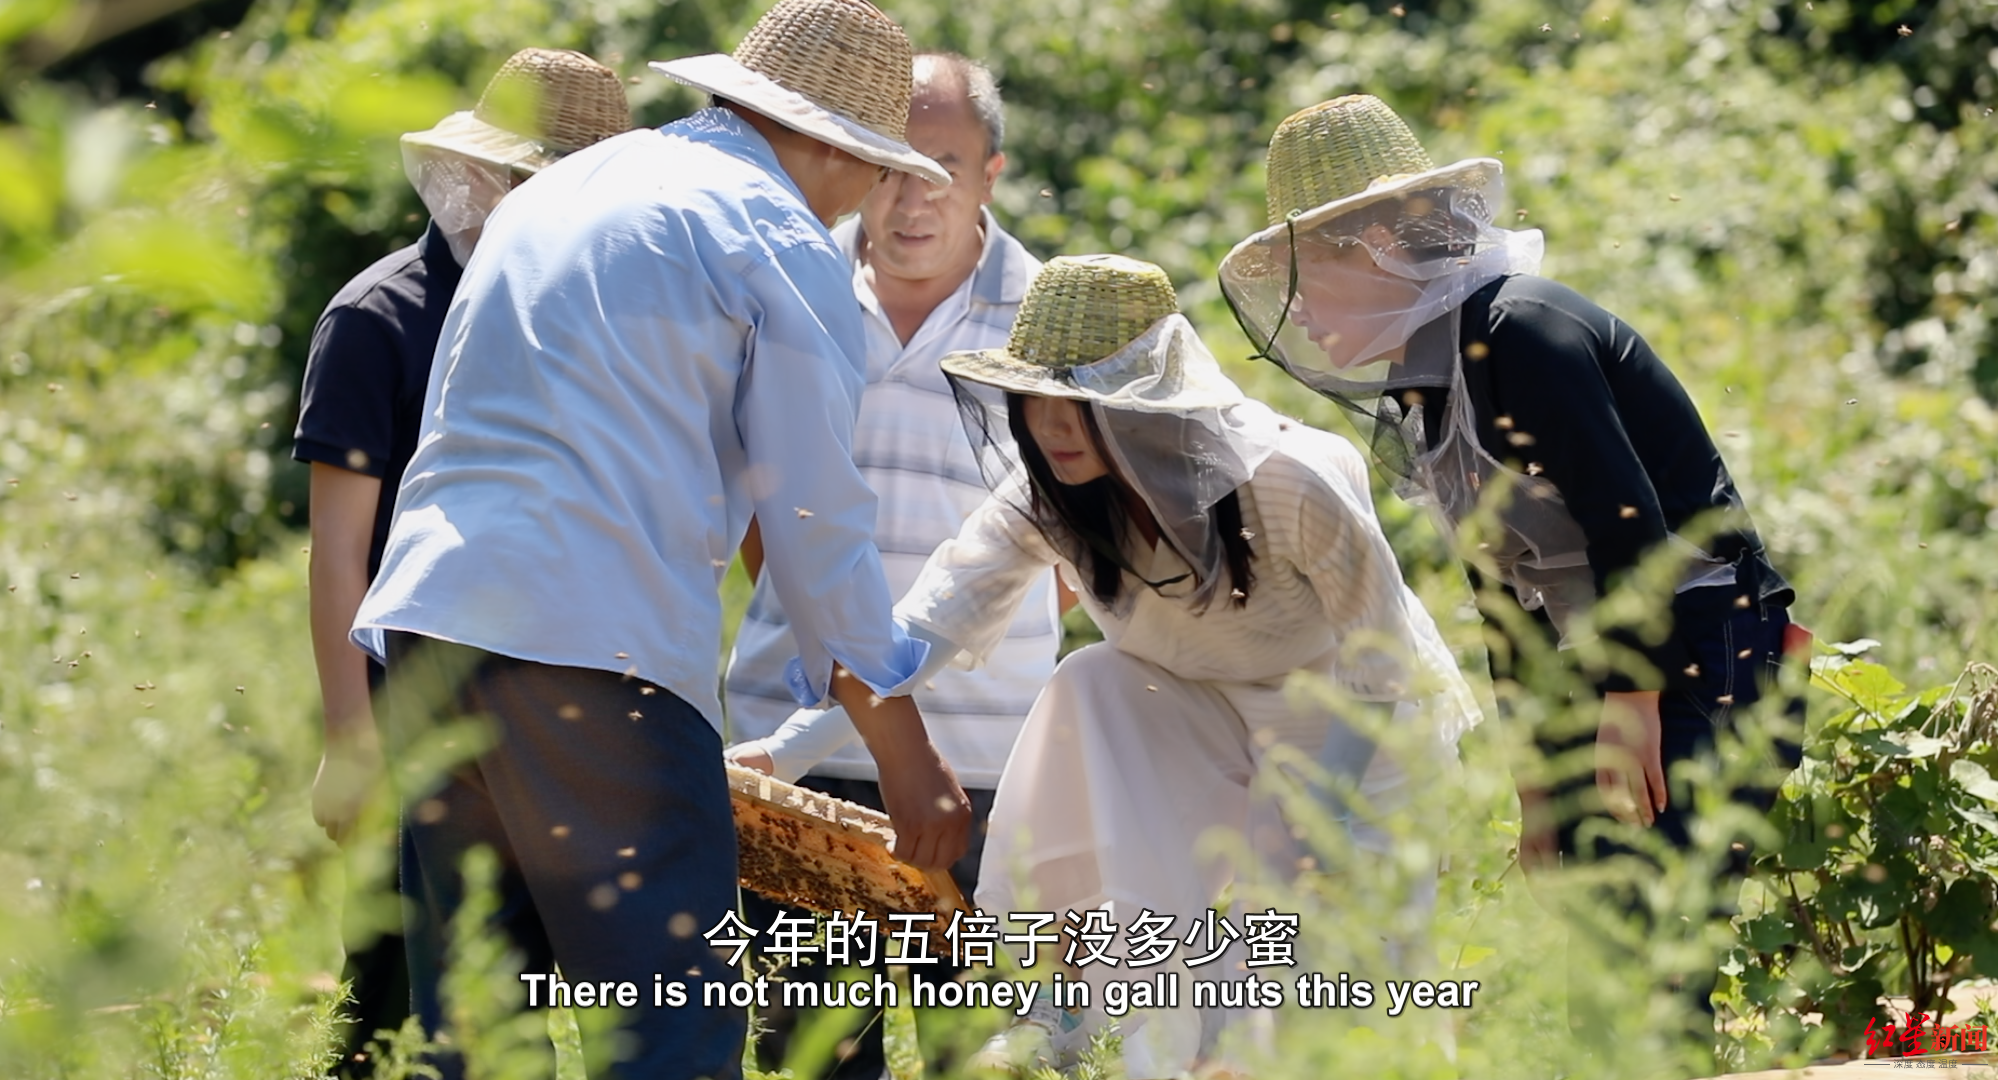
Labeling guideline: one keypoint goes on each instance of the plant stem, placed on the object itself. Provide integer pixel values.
(1473, 924)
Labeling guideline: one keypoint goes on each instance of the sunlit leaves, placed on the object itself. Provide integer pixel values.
(19, 18)
(177, 261)
(29, 188)
(1867, 685)
(1891, 853)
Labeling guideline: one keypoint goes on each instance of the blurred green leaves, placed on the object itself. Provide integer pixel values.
(19, 18)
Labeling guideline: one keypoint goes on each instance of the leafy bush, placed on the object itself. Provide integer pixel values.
(1887, 881)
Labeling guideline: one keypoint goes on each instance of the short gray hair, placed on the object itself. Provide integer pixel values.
(981, 90)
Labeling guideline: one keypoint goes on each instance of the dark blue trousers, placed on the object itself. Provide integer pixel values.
(1738, 660)
(604, 799)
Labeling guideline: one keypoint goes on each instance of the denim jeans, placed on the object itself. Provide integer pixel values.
(605, 801)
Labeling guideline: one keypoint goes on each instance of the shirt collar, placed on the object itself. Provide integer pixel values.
(730, 133)
(1004, 269)
(435, 252)
(1003, 272)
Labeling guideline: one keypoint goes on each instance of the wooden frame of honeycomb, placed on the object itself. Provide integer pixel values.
(810, 850)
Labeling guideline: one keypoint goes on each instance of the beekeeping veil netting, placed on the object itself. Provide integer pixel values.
(1172, 425)
(1340, 297)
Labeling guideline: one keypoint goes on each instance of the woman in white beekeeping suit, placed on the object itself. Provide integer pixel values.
(1221, 549)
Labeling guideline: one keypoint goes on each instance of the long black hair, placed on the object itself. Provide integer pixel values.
(1097, 515)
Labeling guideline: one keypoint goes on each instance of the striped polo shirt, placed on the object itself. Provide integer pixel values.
(910, 447)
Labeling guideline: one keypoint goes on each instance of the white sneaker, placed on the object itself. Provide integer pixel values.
(1048, 1037)
(1165, 1042)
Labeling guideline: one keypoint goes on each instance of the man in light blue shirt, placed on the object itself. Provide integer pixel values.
(653, 342)
(934, 274)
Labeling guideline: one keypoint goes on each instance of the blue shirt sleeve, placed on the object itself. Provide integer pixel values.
(796, 405)
(812, 735)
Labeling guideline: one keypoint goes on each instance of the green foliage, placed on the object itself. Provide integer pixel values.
(165, 898)
(482, 996)
(1793, 202)
(1887, 878)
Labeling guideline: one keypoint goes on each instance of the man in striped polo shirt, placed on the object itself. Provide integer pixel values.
(934, 273)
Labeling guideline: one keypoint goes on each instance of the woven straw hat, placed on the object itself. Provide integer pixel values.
(1336, 157)
(542, 104)
(1079, 310)
(837, 70)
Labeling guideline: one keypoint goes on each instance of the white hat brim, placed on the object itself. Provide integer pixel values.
(1001, 370)
(1455, 174)
(721, 75)
(1168, 356)
(464, 134)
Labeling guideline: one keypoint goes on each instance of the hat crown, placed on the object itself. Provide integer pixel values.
(1335, 150)
(1082, 308)
(558, 97)
(843, 55)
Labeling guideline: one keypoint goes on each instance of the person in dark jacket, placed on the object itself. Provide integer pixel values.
(1382, 284)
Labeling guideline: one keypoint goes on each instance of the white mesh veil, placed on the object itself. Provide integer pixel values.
(1176, 429)
(1341, 300)
(461, 188)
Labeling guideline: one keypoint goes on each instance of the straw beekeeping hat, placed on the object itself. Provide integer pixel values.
(1073, 334)
(1350, 152)
(1106, 332)
(542, 104)
(837, 70)
(1338, 157)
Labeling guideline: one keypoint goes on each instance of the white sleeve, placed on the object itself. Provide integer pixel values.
(973, 584)
(1390, 649)
(807, 738)
(1342, 551)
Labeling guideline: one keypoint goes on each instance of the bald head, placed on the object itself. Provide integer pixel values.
(947, 82)
(924, 241)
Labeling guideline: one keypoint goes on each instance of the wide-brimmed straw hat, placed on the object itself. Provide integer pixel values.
(837, 70)
(1351, 152)
(542, 104)
(1341, 156)
(1105, 329)
(1079, 310)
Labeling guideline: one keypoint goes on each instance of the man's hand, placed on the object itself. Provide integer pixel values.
(752, 756)
(931, 815)
(1630, 773)
(349, 773)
